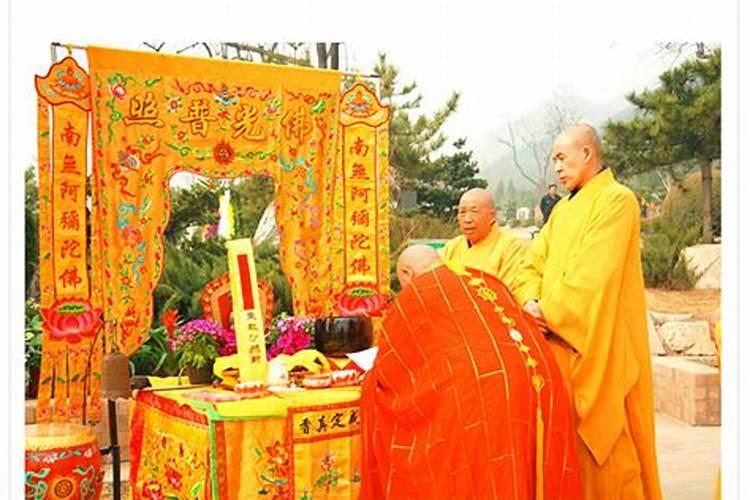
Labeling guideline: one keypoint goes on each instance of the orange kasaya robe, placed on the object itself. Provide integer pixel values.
(449, 409)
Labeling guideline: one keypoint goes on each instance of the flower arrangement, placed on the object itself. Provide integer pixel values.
(289, 334)
(200, 341)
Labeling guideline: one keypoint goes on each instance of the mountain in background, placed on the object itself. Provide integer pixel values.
(496, 160)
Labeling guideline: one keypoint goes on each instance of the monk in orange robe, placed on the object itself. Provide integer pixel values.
(464, 399)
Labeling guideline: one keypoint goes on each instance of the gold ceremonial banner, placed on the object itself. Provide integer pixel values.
(363, 197)
(248, 317)
(155, 115)
(70, 321)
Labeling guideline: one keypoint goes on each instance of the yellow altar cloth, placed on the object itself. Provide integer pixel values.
(297, 444)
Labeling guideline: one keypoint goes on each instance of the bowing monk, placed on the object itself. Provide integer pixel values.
(482, 244)
(582, 279)
(464, 399)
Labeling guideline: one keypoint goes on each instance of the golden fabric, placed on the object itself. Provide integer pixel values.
(63, 276)
(462, 397)
(585, 269)
(297, 445)
(155, 115)
(499, 254)
(362, 193)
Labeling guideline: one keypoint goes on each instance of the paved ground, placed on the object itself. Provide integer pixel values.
(688, 461)
(688, 457)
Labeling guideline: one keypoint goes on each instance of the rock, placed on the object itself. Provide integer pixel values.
(654, 339)
(661, 317)
(689, 338)
(705, 261)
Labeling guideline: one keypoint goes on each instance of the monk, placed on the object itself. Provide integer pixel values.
(582, 280)
(464, 399)
(482, 244)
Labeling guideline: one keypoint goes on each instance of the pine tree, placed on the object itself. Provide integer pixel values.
(677, 124)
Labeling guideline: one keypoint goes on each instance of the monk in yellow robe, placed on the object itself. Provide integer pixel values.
(582, 280)
(465, 399)
(482, 244)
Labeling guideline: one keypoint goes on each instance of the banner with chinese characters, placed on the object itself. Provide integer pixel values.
(71, 322)
(323, 456)
(362, 191)
(155, 115)
(248, 317)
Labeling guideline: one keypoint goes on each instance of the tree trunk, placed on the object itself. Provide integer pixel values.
(322, 55)
(335, 55)
(706, 191)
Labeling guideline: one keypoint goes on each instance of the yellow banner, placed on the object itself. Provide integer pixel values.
(363, 197)
(69, 201)
(67, 352)
(155, 115)
(325, 451)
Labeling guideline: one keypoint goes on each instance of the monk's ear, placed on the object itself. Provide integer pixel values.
(405, 276)
(586, 150)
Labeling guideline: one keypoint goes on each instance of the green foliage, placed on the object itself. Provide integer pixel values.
(676, 125)
(31, 221)
(663, 263)
(678, 227)
(442, 182)
(412, 139)
(155, 357)
(680, 121)
(406, 227)
(268, 267)
(187, 270)
(683, 204)
(32, 343)
(250, 197)
(201, 351)
(197, 205)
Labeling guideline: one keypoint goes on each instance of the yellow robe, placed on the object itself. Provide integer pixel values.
(584, 267)
(499, 254)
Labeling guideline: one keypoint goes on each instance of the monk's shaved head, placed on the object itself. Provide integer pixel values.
(577, 155)
(480, 196)
(415, 260)
(582, 135)
(476, 214)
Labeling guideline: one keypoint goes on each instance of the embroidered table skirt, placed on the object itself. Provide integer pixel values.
(302, 445)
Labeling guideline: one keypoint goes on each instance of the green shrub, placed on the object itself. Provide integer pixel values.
(683, 203)
(154, 357)
(663, 263)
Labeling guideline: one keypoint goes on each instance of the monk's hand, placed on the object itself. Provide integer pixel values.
(532, 307)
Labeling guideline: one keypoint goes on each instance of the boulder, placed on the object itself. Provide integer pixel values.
(662, 317)
(654, 339)
(688, 338)
(705, 261)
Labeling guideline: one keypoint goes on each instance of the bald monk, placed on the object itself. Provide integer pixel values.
(582, 280)
(482, 244)
(450, 408)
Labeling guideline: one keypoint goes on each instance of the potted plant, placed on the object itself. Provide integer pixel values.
(289, 334)
(197, 344)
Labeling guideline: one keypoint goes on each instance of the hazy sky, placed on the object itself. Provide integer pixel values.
(504, 60)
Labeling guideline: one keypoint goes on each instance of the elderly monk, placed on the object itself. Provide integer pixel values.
(464, 399)
(482, 244)
(582, 279)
